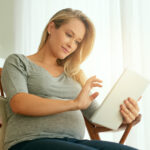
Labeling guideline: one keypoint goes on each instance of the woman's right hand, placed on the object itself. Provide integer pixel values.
(84, 100)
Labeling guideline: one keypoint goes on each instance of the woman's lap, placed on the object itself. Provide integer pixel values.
(68, 144)
(50, 144)
(105, 145)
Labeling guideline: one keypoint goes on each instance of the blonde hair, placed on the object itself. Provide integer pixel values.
(72, 62)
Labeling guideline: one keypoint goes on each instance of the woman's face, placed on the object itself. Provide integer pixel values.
(66, 39)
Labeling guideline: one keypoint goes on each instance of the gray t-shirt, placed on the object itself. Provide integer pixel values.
(20, 74)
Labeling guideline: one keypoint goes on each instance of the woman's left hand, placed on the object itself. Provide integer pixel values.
(129, 110)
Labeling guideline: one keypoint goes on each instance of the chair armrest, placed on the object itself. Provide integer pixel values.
(100, 128)
(94, 129)
(136, 121)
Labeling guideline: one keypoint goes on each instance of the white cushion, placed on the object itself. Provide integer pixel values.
(3, 120)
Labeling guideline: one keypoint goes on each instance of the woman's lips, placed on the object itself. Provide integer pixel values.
(65, 50)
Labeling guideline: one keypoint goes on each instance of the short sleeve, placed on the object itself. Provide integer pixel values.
(14, 76)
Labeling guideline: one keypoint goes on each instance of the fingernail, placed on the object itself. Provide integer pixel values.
(125, 101)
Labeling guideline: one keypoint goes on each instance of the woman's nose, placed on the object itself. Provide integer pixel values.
(70, 43)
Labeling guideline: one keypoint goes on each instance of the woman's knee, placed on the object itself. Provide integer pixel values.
(104, 145)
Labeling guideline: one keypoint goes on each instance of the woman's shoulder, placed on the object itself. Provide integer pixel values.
(13, 63)
(14, 57)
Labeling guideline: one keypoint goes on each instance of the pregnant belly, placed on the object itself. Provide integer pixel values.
(69, 123)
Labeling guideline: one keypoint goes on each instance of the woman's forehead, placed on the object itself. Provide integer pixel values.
(75, 26)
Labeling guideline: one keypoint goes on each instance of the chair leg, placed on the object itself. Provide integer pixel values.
(125, 134)
(92, 130)
(94, 135)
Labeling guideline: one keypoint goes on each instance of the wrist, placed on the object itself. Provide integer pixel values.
(74, 104)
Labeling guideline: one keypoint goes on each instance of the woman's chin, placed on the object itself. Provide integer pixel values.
(62, 57)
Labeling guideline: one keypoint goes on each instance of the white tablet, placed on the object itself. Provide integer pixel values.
(130, 84)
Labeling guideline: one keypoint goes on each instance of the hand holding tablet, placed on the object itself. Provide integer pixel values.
(130, 84)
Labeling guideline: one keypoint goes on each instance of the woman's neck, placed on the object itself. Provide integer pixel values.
(44, 56)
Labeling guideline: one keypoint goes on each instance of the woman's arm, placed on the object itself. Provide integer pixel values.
(32, 105)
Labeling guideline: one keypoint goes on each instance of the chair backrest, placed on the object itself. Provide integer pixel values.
(3, 120)
(1, 90)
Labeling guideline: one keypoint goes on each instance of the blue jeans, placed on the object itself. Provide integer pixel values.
(68, 144)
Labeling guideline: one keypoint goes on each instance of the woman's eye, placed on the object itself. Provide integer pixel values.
(69, 35)
(77, 42)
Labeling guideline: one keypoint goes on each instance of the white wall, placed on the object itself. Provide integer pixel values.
(1, 62)
(6, 27)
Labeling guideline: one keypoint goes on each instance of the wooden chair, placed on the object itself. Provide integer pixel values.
(93, 129)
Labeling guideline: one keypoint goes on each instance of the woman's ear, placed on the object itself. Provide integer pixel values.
(51, 27)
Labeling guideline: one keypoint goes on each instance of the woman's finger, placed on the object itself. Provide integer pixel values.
(131, 107)
(134, 103)
(96, 85)
(94, 79)
(94, 95)
(139, 98)
(126, 117)
(92, 82)
(128, 112)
